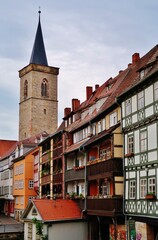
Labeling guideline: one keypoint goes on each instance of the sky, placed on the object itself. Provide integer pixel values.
(89, 40)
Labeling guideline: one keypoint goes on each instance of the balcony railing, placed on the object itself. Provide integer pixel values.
(45, 179)
(46, 157)
(72, 174)
(111, 165)
(57, 178)
(105, 206)
(57, 152)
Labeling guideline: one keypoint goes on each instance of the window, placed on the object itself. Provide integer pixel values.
(156, 91)
(143, 141)
(140, 100)
(44, 88)
(130, 144)
(22, 200)
(25, 89)
(113, 119)
(152, 185)
(31, 183)
(105, 188)
(132, 189)
(128, 104)
(143, 187)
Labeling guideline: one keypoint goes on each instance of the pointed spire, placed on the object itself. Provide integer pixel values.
(38, 55)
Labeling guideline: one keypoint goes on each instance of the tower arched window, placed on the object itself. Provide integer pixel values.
(25, 89)
(44, 88)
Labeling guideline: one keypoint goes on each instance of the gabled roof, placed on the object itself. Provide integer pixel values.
(54, 210)
(38, 55)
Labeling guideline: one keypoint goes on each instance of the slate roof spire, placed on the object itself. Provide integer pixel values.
(38, 55)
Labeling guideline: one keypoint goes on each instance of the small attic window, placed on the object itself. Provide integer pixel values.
(34, 211)
(144, 72)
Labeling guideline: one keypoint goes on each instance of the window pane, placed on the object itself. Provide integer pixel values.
(140, 100)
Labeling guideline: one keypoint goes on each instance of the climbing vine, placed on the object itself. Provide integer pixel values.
(39, 229)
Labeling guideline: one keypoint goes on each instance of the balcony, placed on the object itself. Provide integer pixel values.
(102, 167)
(45, 179)
(46, 157)
(109, 207)
(72, 174)
(57, 178)
(57, 152)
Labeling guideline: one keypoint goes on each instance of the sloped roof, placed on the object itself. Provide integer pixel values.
(75, 146)
(55, 210)
(6, 147)
(38, 55)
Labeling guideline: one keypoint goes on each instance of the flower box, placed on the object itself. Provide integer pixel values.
(150, 196)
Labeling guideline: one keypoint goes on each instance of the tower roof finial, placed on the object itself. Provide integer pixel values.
(39, 10)
(38, 55)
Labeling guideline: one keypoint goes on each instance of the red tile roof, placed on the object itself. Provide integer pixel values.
(56, 210)
(5, 145)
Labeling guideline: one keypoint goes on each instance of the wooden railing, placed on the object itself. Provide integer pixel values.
(45, 179)
(72, 174)
(46, 157)
(57, 151)
(57, 178)
(111, 165)
(105, 206)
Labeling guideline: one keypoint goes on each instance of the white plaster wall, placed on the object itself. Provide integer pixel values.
(149, 95)
(152, 156)
(134, 103)
(125, 147)
(68, 230)
(134, 118)
(123, 109)
(132, 174)
(138, 190)
(136, 141)
(143, 173)
(126, 190)
(152, 136)
(151, 172)
(137, 159)
(149, 111)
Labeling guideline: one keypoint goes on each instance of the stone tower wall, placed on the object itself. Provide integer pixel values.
(38, 113)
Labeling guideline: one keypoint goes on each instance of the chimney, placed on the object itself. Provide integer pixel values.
(96, 86)
(89, 91)
(135, 58)
(67, 111)
(75, 104)
(120, 71)
(130, 64)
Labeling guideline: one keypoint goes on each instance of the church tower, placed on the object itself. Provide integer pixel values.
(38, 107)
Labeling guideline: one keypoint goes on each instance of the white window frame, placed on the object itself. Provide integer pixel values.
(132, 189)
(128, 105)
(143, 187)
(130, 144)
(141, 100)
(31, 184)
(143, 141)
(113, 118)
(152, 185)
